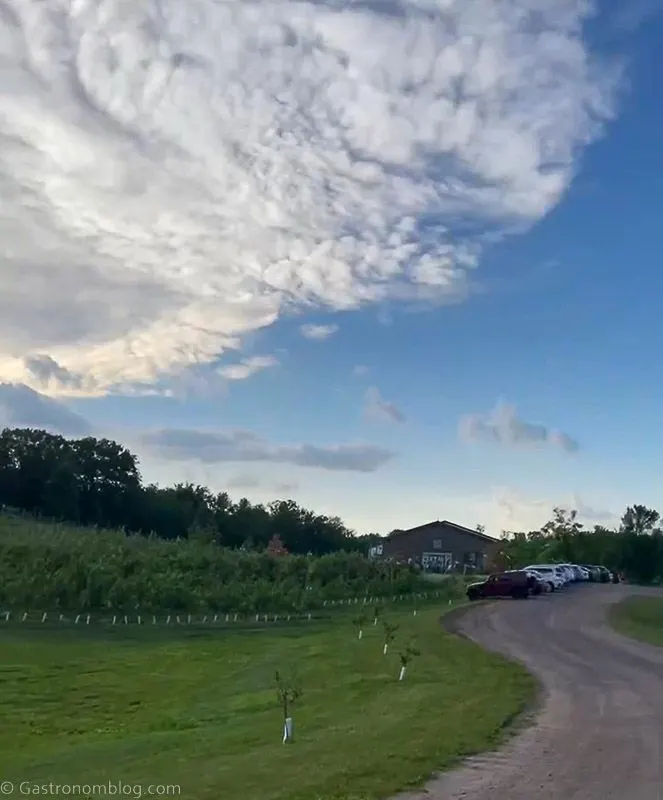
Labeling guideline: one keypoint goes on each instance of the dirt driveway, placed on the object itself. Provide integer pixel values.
(599, 734)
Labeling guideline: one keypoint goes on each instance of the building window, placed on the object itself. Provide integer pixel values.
(437, 544)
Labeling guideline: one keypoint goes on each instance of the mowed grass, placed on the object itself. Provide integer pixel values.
(152, 706)
(640, 618)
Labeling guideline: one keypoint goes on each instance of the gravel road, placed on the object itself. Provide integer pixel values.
(599, 733)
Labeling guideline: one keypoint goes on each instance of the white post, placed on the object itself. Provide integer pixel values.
(168, 620)
(414, 613)
(126, 620)
(188, 620)
(361, 633)
(177, 619)
(114, 618)
(235, 618)
(154, 620)
(44, 615)
(87, 620)
(140, 620)
(78, 616)
(205, 618)
(25, 615)
(402, 675)
(7, 615)
(386, 647)
(288, 730)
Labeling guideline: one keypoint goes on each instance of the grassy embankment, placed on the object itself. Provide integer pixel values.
(640, 618)
(148, 705)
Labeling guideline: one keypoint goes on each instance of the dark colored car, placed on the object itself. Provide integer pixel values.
(605, 576)
(594, 572)
(502, 584)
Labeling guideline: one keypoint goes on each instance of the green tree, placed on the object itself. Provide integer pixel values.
(639, 519)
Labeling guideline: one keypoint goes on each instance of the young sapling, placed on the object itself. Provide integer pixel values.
(288, 692)
(389, 635)
(360, 623)
(406, 657)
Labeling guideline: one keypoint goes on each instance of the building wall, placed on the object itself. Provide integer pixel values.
(438, 544)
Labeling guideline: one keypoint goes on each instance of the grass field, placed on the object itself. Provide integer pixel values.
(198, 709)
(640, 618)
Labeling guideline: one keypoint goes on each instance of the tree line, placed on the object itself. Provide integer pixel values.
(634, 547)
(97, 482)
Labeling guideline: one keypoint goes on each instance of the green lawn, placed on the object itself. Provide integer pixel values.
(640, 618)
(199, 709)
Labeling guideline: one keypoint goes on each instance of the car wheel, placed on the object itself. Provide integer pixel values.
(551, 587)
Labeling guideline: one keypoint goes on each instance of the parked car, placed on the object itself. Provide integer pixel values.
(594, 572)
(535, 583)
(605, 575)
(571, 573)
(550, 574)
(544, 585)
(516, 583)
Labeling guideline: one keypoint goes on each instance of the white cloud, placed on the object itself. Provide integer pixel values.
(318, 332)
(510, 510)
(247, 481)
(163, 196)
(247, 367)
(22, 407)
(377, 409)
(216, 447)
(243, 481)
(360, 371)
(503, 426)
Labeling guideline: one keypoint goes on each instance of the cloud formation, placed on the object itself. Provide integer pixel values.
(377, 409)
(503, 426)
(509, 509)
(22, 407)
(247, 481)
(163, 196)
(215, 447)
(247, 367)
(318, 332)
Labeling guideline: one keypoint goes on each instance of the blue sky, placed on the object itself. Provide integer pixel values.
(482, 275)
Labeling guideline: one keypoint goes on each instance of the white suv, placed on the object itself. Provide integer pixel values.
(550, 573)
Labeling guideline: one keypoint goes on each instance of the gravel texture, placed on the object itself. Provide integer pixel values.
(598, 733)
